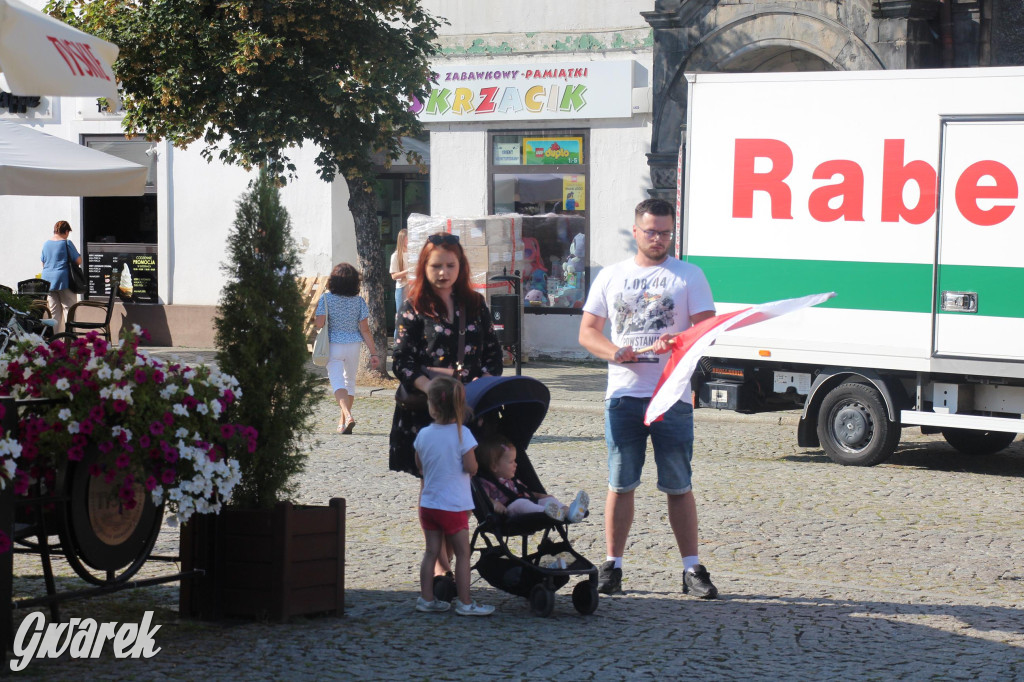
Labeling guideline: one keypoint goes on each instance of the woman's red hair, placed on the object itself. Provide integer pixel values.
(422, 295)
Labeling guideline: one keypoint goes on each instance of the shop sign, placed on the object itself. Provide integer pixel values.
(507, 153)
(138, 283)
(573, 192)
(552, 151)
(529, 92)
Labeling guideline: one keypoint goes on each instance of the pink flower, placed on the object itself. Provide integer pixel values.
(227, 431)
(158, 377)
(95, 469)
(96, 413)
(140, 376)
(123, 460)
(229, 396)
(85, 427)
(120, 405)
(106, 446)
(76, 453)
(168, 418)
(167, 476)
(156, 428)
(151, 483)
(171, 455)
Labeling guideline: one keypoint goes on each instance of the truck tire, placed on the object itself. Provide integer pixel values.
(854, 427)
(978, 443)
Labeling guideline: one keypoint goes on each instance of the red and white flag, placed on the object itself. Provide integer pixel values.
(689, 346)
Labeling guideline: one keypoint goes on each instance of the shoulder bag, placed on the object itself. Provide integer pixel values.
(322, 344)
(76, 276)
(416, 399)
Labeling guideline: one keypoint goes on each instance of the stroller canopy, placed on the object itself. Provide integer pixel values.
(513, 407)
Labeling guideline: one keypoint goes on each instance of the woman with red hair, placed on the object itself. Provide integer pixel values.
(428, 337)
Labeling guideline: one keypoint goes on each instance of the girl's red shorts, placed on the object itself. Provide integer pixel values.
(448, 522)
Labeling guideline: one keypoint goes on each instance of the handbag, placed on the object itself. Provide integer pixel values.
(416, 400)
(76, 276)
(322, 343)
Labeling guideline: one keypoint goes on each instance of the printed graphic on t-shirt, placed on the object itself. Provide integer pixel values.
(642, 312)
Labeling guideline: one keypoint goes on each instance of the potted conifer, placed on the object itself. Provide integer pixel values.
(265, 557)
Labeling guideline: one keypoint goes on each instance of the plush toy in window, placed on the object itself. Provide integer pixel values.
(533, 261)
(536, 297)
(555, 270)
(573, 269)
(578, 246)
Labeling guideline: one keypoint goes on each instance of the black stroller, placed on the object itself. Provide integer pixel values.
(514, 407)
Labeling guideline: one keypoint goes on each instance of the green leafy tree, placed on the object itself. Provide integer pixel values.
(260, 342)
(250, 79)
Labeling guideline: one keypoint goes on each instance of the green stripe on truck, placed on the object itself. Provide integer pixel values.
(1000, 290)
(896, 287)
(899, 287)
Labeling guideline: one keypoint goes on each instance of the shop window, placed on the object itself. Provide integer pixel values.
(122, 231)
(542, 175)
(399, 195)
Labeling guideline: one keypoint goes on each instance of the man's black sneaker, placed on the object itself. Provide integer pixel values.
(609, 578)
(698, 583)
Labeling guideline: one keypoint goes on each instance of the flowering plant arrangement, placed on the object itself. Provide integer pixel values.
(151, 423)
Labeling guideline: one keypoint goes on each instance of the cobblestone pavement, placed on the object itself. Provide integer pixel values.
(908, 570)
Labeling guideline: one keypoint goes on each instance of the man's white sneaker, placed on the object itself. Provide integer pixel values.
(472, 609)
(436, 606)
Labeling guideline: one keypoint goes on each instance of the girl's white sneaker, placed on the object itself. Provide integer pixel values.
(436, 606)
(472, 609)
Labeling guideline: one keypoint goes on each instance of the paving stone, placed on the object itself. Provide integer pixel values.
(908, 570)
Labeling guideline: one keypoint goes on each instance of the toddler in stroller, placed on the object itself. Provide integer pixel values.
(510, 409)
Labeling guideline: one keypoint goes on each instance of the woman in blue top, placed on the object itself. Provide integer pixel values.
(346, 315)
(57, 272)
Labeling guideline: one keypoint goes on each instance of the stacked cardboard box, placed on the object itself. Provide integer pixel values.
(492, 245)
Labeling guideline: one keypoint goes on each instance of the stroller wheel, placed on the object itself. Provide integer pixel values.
(444, 588)
(584, 597)
(542, 601)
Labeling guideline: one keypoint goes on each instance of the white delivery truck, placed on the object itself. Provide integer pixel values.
(901, 192)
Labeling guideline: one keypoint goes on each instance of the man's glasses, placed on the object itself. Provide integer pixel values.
(654, 235)
(446, 239)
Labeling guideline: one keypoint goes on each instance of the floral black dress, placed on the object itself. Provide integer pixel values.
(425, 341)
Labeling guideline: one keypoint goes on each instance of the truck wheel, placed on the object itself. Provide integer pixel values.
(971, 442)
(854, 428)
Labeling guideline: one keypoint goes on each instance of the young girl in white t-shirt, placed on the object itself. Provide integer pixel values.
(446, 457)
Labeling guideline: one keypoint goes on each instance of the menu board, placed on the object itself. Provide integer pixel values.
(137, 285)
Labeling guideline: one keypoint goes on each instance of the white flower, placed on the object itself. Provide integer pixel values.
(104, 373)
(202, 409)
(118, 374)
(62, 384)
(39, 362)
(179, 410)
(72, 427)
(182, 432)
(64, 414)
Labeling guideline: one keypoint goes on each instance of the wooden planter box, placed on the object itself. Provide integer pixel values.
(269, 564)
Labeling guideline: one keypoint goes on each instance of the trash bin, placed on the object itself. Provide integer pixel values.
(505, 316)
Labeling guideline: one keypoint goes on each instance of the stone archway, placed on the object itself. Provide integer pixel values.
(747, 37)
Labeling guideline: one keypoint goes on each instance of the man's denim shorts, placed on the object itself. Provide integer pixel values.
(626, 436)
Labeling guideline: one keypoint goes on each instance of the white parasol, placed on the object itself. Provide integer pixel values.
(34, 163)
(42, 56)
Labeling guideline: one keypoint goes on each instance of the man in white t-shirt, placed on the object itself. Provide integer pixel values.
(648, 299)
